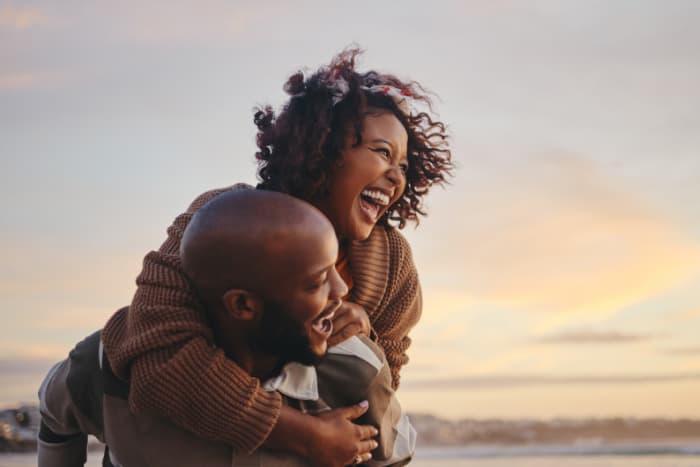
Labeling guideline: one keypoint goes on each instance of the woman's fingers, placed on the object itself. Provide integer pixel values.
(350, 319)
(343, 442)
(364, 457)
(364, 453)
(367, 446)
(346, 332)
(354, 411)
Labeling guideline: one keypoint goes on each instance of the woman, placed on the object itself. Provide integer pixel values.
(350, 144)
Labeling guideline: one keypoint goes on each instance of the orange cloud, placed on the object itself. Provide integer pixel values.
(594, 337)
(683, 351)
(511, 381)
(21, 18)
(555, 233)
(673, 396)
(26, 80)
(43, 288)
(688, 314)
(17, 80)
(180, 22)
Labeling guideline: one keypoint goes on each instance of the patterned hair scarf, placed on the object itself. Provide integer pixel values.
(339, 88)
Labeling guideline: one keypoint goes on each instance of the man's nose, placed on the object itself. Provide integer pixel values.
(339, 288)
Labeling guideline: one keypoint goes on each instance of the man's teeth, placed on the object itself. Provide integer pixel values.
(324, 323)
(327, 325)
(377, 196)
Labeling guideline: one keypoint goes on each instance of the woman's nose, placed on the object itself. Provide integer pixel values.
(395, 175)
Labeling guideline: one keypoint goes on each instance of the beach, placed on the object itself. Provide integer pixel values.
(687, 455)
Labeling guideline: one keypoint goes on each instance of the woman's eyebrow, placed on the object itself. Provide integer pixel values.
(382, 140)
(391, 145)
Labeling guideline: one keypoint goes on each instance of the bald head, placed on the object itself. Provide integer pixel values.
(248, 239)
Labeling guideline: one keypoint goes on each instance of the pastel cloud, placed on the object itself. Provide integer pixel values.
(60, 294)
(594, 337)
(52, 270)
(20, 17)
(510, 381)
(688, 314)
(672, 395)
(22, 375)
(16, 80)
(168, 23)
(683, 351)
(11, 367)
(26, 80)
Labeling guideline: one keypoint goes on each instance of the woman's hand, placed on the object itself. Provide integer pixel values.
(330, 439)
(350, 319)
(341, 442)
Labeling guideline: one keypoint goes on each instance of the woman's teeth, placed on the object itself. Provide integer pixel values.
(376, 196)
(372, 201)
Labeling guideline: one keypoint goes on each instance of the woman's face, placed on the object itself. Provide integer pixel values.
(370, 178)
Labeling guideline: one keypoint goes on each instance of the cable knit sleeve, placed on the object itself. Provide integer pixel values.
(401, 306)
(163, 344)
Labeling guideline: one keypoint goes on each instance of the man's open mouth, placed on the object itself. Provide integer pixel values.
(324, 323)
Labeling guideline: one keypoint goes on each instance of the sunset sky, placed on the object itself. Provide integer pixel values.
(560, 268)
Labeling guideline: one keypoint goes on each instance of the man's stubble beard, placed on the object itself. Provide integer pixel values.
(282, 336)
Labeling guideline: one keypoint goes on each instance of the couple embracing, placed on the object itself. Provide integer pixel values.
(271, 326)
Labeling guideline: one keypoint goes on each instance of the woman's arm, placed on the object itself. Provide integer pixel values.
(385, 264)
(163, 344)
(401, 307)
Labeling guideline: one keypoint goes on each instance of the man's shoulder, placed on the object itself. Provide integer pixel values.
(362, 348)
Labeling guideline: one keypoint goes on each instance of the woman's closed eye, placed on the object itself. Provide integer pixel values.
(383, 151)
(319, 283)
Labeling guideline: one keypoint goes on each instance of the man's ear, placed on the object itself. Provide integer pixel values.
(242, 304)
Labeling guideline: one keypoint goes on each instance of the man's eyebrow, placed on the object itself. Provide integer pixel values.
(322, 270)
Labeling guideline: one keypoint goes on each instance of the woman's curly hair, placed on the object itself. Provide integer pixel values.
(301, 147)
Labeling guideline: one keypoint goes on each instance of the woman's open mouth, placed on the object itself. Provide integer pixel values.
(372, 202)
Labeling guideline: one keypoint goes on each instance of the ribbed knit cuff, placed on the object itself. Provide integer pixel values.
(261, 418)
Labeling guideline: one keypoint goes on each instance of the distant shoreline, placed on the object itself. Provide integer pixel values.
(19, 427)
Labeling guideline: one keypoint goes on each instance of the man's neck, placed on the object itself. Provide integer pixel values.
(259, 365)
(234, 340)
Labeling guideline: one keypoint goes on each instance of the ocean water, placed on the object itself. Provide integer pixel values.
(566, 461)
(619, 455)
(535, 456)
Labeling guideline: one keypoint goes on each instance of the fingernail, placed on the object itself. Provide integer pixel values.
(374, 444)
(376, 432)
(369, 455)
(364, 404)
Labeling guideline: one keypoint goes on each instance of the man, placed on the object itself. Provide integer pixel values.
(263, 266)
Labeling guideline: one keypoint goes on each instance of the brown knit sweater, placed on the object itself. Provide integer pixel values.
(165, 346)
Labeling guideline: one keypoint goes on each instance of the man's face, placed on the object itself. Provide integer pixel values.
(297, 319)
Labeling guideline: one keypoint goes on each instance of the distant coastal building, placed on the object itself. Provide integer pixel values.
(19, 428)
